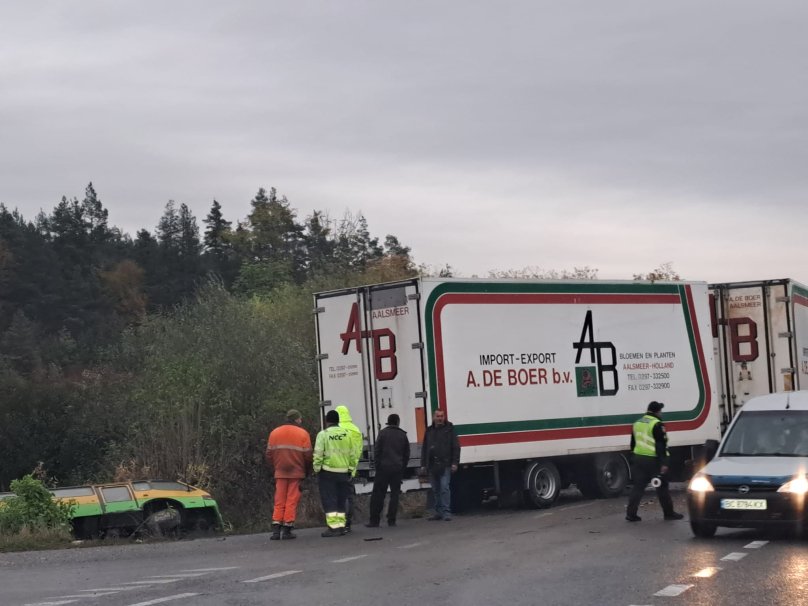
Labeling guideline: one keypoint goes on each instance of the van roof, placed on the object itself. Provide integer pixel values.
(796, 400)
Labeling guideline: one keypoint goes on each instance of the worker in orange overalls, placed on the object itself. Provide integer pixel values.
(289, 455)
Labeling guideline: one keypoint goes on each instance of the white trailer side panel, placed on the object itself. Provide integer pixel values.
(531, 369)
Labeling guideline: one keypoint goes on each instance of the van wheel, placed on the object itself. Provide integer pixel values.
(542, 482)
(703, 529)
(606, 477)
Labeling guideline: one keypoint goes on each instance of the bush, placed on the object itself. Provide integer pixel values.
(32, 509)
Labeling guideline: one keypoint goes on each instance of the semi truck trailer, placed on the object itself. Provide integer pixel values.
(542, 380)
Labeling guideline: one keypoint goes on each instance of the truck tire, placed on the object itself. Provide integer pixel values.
(702, 530)
(607, 476)
(542, 483)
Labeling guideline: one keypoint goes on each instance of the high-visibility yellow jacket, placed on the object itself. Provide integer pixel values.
(644, 440)
(333, 451)
(346, 422)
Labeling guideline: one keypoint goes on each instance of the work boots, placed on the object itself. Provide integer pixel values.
(286, 532)
(276, 532)
(333, 532)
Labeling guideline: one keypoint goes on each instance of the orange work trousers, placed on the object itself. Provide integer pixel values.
(287, 496)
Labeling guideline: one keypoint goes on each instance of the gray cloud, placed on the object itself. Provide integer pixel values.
(487, 135)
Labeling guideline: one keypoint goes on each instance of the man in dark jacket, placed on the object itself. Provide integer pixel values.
(392, 453)
(440, 456)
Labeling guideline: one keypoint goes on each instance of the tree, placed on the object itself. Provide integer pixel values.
(319, 244)
(274, 233)
(537, 273)
(180, 264)
(664, 272)
(19, 347)
(168, 227)
(216, 232)
(124, 285)
(189, 246)
(393, 247)
(355, 247)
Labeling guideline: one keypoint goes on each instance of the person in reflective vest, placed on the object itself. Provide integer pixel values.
(346, 422)
(650, 458)
(289, 456)
(334, 463)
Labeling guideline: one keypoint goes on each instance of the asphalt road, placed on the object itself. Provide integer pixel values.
(578, 552)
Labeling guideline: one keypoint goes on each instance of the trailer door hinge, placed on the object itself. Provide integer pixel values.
(417, 345)
(785, 335)
(318, 310)
(785, 299)
(325, 403)
(415, 296)
(319, 357)
(420, 394)
(788, 371)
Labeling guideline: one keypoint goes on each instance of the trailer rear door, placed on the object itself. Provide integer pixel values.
(370, 354)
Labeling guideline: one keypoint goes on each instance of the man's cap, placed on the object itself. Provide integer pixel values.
(393, 419)
(332, 416)
(655, 406)
(293, 415)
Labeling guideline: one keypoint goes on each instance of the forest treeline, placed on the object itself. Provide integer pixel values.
(169, 353)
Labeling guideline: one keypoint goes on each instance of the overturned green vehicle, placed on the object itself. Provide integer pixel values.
(124, 508)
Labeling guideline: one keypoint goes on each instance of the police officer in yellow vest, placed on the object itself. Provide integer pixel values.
(334, 462)
(649, 445)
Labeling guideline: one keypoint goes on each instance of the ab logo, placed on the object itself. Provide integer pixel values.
(601, 378)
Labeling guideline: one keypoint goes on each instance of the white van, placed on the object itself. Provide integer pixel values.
(758, 477)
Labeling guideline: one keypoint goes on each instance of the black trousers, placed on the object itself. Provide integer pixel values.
(643, 470)
(349, 502)
(333, 491)
(383, 481)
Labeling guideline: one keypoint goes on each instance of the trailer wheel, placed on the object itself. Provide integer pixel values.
(542, 483)
(606, 477)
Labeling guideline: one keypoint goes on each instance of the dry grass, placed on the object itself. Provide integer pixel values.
(43, 538)
(310, 513)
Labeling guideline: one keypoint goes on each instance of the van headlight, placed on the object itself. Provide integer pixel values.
(700, 483)
(795, 486)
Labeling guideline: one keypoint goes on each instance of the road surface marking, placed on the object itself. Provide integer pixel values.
(171, 598)
(152, 582)
(108, 589)
(210, 569)
(671, 591)
(734, 556)
(52, 603)
(706, 573)
(277, 575)
(755, 545)
(410, 546)
(85, 596)
(348, 559)
(179, 575)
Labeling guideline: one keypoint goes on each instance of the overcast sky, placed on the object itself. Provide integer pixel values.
(486, 135)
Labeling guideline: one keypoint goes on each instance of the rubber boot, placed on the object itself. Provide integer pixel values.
(276, 532)
(286, 532)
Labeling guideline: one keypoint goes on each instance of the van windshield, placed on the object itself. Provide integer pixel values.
(778, 433)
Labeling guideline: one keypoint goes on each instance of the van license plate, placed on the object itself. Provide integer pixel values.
(743, 503)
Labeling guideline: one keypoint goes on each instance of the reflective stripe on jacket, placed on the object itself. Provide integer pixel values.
(289, 451)
(644, 441)
(333, 451)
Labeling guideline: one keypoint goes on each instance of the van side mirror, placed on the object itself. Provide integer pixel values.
(710, 448)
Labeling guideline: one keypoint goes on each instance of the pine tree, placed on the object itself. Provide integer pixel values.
(216, 231)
